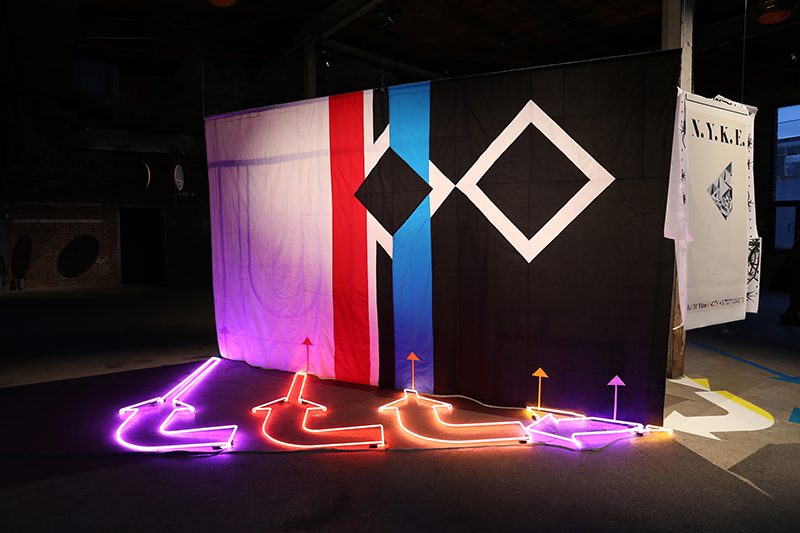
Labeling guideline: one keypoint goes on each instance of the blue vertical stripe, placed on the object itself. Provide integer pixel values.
(409, 134)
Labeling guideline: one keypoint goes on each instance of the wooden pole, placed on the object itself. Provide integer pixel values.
(677, 25)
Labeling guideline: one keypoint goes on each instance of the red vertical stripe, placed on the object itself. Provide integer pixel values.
(350, 288)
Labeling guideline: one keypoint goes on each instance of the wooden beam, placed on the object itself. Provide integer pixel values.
(333, 19)
(677, 31)
(377, 59)
(568, 22)
(677, 24)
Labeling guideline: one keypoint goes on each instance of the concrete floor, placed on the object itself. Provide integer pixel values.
(61, 381)
(51, 335)
(746, 359)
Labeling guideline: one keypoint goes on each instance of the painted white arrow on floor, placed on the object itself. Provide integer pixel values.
(742, 416)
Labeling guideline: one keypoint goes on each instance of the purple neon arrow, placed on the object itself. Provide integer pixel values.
(151, 418)
(616, 382)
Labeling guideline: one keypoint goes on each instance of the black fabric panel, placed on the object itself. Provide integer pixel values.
(480, 108)
(596, 301)
(380, 112)
(385, 318)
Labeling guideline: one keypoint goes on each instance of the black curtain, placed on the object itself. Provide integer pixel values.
(596, 301)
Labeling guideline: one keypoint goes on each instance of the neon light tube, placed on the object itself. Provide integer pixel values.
(631, 428)
(295, 395)
(436, 405)
(172, 399)
(533, 411)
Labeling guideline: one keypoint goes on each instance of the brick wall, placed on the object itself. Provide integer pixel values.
(72, 193)
(51, 226)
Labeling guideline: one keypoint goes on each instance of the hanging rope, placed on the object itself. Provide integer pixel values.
(203, 82)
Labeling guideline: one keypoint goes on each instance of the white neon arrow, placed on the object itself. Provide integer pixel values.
(742, 416)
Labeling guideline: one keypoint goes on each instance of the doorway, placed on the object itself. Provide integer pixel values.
(141, 236)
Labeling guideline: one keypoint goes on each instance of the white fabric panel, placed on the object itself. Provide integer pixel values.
(272, 240)
(716, 260)
(375, 235)
(676, 224)
(755, 248)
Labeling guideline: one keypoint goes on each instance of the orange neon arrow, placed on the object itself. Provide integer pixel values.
(539, 374)
(412, 416)
(412, 357)
(290, 407)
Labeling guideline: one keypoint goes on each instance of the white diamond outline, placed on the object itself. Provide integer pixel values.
(599, 179)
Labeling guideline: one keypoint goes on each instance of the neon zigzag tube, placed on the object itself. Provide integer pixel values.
(316, 407)
(632, 428)
(179, 406)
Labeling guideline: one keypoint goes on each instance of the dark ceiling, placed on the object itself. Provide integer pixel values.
(158, 66)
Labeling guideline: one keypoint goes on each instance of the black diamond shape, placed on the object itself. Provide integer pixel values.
(531, 181)
(392, 191)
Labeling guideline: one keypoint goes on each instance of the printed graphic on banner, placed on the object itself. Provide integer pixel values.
(755, 250)
(716, 201)
(721, 192)
(753, 274)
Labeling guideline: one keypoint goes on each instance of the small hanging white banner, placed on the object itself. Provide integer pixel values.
(710, 211)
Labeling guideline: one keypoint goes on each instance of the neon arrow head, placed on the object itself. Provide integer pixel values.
(540, 373)
(412, 357)
(616, 381)
(158, 400)
(307, 342)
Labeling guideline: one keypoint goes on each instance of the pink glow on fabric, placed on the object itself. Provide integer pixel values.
(271, 234)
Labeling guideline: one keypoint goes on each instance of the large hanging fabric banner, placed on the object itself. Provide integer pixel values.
(711, 211)
(490, 225)
(272, 206)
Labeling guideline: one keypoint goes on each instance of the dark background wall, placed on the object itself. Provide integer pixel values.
(768, 77)
(93, 90)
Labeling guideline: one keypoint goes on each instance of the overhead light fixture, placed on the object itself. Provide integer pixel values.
(222, 3)
(772, 12)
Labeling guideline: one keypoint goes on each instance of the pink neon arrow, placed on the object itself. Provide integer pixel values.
(616, 382)
(287, 411)
(307, 342)
(155, 415)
